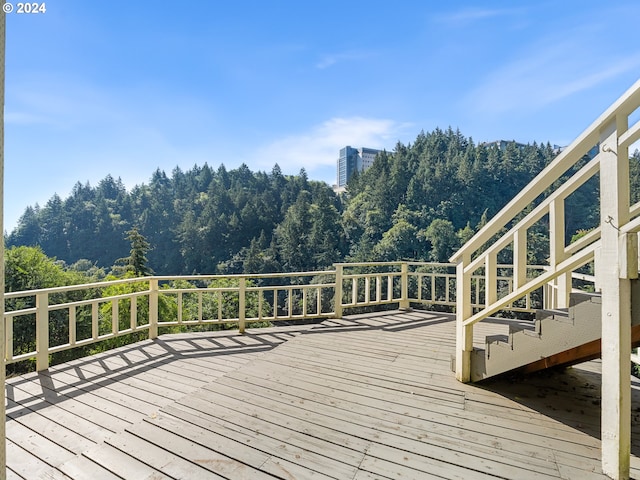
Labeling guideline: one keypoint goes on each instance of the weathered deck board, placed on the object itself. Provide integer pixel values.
(354, 424)
(364, 397)
(321, 427)
(169, 463)
(34, 393)
(80, 465)
(385, 419)
(254, 450)
(93, 398)
(347, 399)
(52, 429)
(22, 464)
(284, 441)
(121, 464)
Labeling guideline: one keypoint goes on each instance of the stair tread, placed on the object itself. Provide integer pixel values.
(519, 327)
(497, 338)
(552, 312)
(581, 305)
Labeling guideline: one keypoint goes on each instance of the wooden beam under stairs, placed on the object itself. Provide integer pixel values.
(573, 356)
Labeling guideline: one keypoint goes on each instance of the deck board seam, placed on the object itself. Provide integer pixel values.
(365, 438)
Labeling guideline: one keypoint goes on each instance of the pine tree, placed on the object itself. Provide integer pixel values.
(137, 260)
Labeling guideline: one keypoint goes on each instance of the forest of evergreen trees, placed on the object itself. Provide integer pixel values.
(419, 202)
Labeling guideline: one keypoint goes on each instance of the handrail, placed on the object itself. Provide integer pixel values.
(70, 288)
(625, 105)
(612, 136)
(542, 209)
(568, 265)
(100, 313)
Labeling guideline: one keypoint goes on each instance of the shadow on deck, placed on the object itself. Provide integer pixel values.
(368, 396)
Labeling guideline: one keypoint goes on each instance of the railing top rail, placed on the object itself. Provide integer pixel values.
(168, 278)
(69, 288)
(368, 264)
(625, 105)
(431, 264)
(571, 263)
(540, 210)
(453, 265)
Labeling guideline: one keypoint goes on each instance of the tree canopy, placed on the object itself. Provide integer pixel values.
(420, 201)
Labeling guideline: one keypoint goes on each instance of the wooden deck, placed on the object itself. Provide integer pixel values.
(366, 397)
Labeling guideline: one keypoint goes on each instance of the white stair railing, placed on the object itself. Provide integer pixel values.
(613, 246)
(479, 253)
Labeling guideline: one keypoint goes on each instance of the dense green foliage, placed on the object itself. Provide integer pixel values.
(28, 268)
(419, 202)
(199, 221)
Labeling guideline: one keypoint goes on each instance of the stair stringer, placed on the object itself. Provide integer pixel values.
(552, 332)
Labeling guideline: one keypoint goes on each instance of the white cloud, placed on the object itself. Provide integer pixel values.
(318, 147)
(545, 74)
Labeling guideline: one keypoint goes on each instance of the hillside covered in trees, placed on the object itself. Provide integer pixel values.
(419, 202)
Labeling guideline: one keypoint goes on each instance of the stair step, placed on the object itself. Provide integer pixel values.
(497, 338)
(580, 297)
(532, 330)
(554, 313)
(552, 332)
(497, 341)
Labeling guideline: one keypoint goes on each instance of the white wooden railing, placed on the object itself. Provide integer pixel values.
(613, 246)
(611, 137)
(39, 323)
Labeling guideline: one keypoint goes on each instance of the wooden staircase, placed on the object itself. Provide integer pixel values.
(611, 247)
(559, 337)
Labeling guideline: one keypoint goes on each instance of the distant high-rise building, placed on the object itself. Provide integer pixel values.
(353, 160)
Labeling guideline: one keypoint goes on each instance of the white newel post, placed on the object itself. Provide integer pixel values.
(464, 334)
(337, 297)
(153, 308)
(42, 331)
(616, 306)
(404, 287)
(242, 315)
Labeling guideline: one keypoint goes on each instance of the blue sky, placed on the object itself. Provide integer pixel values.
(121, 87)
